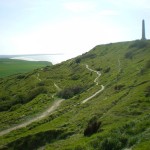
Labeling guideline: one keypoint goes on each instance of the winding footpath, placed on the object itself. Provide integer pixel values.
(119, 66)
(37, 118)
(54, 106)
(38, 77)
(41, 116)
(96, 82)
(97, 72)
(57, 87)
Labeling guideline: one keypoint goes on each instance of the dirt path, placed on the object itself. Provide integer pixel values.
(87, 99)
(41, 116)
(96, 82)
(57, 87)
(119, 66)
(54, 106)
(97, 72)
(38, 77)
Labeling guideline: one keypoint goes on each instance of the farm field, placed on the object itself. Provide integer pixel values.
(11, 66)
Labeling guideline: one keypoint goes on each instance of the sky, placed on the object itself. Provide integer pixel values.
(69, 26)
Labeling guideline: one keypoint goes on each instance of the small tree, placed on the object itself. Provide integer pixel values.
(78, 60)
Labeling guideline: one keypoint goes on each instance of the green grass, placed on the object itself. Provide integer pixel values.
(123, 108)
(11, 66)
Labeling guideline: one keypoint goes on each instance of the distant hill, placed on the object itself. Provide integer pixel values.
(12, 66)
(97, 101)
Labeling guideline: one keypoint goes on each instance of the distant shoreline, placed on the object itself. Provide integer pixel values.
(20, 55)
(53, 58)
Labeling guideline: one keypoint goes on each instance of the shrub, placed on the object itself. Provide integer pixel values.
(129, 55)
(80, 147)
(66, 93)
(6, 104)
(34, 141)
(78, 60)
(75, 77)
(70, 92)
(114, 142)
(107, 70)
(88, 56)
(139, 44)
(147, 91)
(110, 143)
(118, 87)
(147, 66)
(99, 69)
(35, 92)
(20, 76)
(92, 127)
(40, 83)
(15, 107)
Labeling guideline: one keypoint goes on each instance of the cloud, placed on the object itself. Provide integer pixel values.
(81, 6)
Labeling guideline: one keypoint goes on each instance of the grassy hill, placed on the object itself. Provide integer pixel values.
(12, 66)
(116, 118)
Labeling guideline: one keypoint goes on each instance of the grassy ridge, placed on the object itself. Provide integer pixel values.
(117, 118)
(11, 66)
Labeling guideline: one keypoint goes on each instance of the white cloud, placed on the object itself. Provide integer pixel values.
(79, 6)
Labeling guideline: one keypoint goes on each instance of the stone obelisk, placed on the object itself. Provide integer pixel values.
(143, 30)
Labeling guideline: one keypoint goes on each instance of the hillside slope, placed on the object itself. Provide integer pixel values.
(106, 106)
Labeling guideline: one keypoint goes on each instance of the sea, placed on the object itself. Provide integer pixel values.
(53, 58)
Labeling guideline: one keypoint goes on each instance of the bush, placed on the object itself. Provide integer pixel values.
(66, 93)
(80, 147)
(15, 107)
(34, 141)
(88, 56)
(41, 83)
(115, 141)
(78, 60)
(92, 127)
(110, 143)
(35, 92)
(20, 76)
(6, 104)
(99, 69)
(75, 77)
(70, 92)
(118, 87)
(147, 66)
(147, 91)
(139, 44)
(107, 70)
(129, 55)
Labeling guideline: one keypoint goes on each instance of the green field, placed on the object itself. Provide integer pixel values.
(118, 118)
(11, 66)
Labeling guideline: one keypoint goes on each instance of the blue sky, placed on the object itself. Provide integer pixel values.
(69, 26)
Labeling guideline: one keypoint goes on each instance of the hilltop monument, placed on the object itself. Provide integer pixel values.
(143, 30)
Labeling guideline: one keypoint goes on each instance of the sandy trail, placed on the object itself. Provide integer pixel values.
(38, 77)
(97, 72)
(57, 87)
(87, 99)
(54, 106)
(37, 118)
(96, 82)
